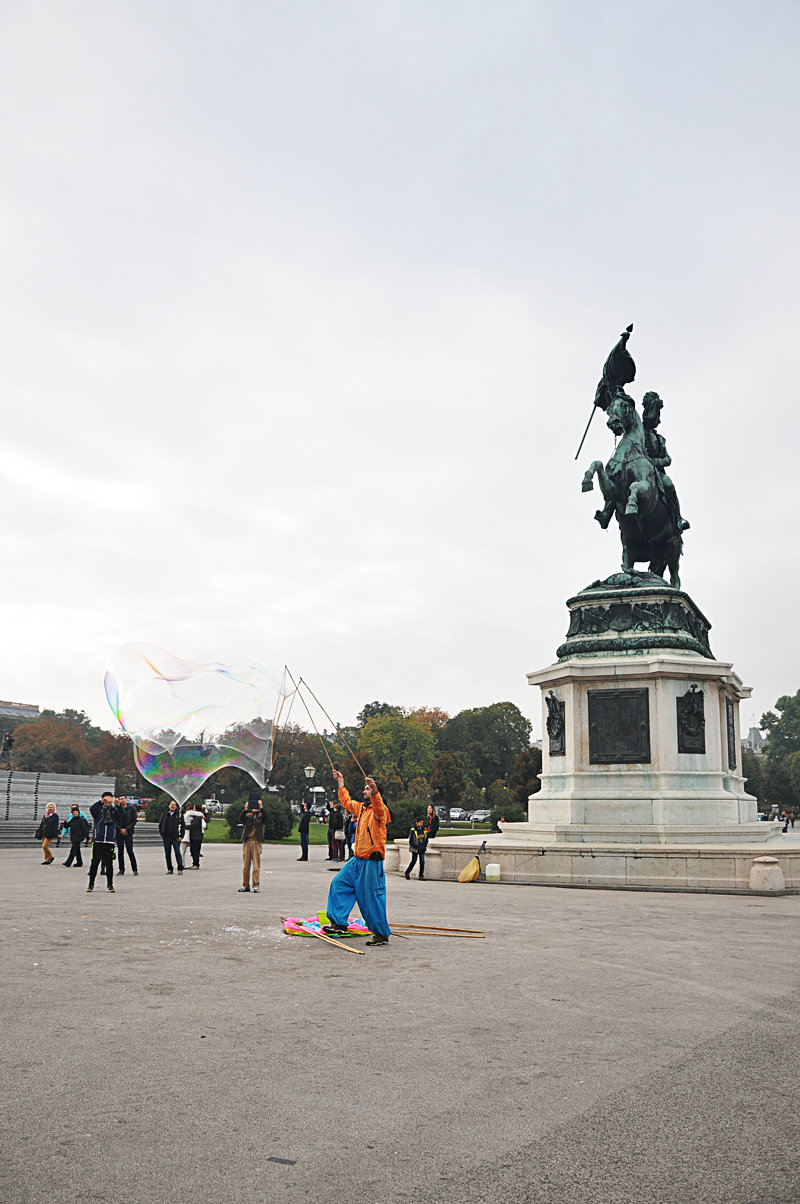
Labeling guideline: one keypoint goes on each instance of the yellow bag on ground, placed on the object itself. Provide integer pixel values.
(471, 871)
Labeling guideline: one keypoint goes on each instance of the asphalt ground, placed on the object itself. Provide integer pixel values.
(170, 1043)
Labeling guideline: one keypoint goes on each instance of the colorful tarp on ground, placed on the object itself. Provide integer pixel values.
(295, 926)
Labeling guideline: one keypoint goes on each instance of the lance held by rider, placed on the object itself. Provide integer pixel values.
(362, 880)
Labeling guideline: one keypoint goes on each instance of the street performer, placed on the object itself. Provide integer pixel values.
(362, 880)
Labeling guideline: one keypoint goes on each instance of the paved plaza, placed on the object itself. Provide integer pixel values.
(169, 1043)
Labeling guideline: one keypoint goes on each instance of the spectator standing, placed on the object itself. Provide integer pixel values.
(336, 830)
(252, 820)
(302, 828)
(432, 822)
(194, 823)
(418, 843)
(48, 830)
(349, 833)
(5, 752)
(77, 829)
(171, 828)
(104, 837)
(127, 817)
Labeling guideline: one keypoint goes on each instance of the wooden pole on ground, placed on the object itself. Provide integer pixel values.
(439, 927)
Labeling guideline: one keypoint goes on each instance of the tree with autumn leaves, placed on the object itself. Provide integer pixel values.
(421, 752)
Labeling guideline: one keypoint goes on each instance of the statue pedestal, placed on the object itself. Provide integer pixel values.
(642, 785)
(624, 775)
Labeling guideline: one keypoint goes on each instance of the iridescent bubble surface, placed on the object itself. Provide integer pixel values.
(186, 721)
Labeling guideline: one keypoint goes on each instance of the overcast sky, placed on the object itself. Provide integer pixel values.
(303, 309)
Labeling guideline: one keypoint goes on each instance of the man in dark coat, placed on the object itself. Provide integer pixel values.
(302, 828)
(171, 827)
(126, 822)
(104, 836)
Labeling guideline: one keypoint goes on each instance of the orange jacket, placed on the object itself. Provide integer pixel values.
(371, 821)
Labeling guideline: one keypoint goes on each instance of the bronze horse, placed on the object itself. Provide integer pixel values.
(631, 481)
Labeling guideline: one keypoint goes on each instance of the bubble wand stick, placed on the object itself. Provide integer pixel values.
(311, 717)
(336, 725)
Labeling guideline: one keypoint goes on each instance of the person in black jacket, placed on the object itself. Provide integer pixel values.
(126, 822)
(104, 836)
(302, 828)
(418, 843)
(431, 822)
(48, 830)
(5, 754)
(77, 828)
(171, 827)
(336, 829)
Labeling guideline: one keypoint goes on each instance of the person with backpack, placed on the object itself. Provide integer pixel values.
(418, 843)
(127, 817)
(361, 879)
(77, 829)
(194, 823)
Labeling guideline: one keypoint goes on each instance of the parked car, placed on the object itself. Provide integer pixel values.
(481, 817)
(458, 813)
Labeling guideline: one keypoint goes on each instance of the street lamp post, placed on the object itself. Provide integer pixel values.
(309, 771)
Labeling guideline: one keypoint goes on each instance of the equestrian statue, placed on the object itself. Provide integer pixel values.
(633, 482)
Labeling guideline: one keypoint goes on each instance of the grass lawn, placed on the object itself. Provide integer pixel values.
(217, 832)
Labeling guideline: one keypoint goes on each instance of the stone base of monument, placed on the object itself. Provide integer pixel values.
(641, 758)
(726, 868)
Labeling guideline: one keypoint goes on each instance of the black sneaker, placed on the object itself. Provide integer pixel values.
(244, 890)
(110, 890)
(332, 929)
(407, 875)
(89, 889)
(378, 940)
(172, 871)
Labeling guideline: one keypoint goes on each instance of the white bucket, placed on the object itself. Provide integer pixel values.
(493, 872)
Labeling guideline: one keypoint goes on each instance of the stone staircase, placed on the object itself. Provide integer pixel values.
(24, 796)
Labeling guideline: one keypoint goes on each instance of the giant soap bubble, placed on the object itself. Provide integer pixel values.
(186, 721)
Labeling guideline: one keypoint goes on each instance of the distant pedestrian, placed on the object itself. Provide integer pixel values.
(127, 816)
(77, 829)
(336, 828)
(253, 821)
(302, 828)
(431, 822)
(792, 818)
(171, 829)
(48, 830)
(104, 837)
(5, 752)
(350, 833)
(418, 843)
(194, 824)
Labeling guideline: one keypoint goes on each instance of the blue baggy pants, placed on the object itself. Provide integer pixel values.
(363, 882)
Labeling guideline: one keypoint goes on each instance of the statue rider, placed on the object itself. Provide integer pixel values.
(656, 448)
